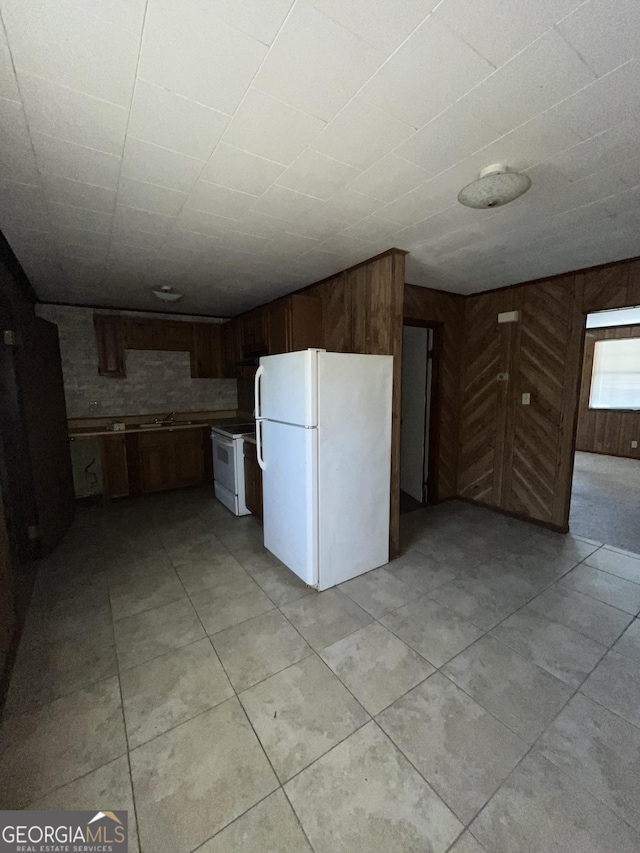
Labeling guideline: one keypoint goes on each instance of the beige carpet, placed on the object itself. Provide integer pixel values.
(605, 502)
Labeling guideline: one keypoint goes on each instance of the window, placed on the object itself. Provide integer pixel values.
(615, 380)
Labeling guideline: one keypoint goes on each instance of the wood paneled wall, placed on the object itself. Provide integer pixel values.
(362, 312)
(512, 456)
(443, 310)
(602, 430)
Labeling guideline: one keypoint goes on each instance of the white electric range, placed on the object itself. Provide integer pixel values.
(228, 464)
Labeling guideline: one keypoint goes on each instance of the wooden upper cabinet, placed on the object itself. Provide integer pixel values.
(176, 336)
(206, 351)
(231, 348)
(141, 333)
(110, 344)
(253, 331)
(295, 323)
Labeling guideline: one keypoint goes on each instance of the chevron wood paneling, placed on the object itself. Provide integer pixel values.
(445, 309)
(602, 431)
(606, 287)
(481, 399)
(539, 369)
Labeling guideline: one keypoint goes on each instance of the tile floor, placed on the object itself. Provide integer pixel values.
(480, 693)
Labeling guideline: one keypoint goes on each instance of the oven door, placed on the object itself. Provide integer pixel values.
(224, 469)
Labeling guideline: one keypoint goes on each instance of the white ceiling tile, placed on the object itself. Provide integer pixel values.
(615, 145)
(385, 24)
(133, 219)
(174, 122)
(62, 112)
(132, 237)
(188, 50)
(146, 162)
(271, 129)
(262, 225)
(317, 175)
(433, 197)
(349, 206)
(23, 204)
(283, 203)
(77, 193)
(77, 217)
(372, 228)
(192, 240)
(17, 162)
(97, 254)
(389, 178)
(76, 162)
(346, 247)
(432, 69)
(315, 64)
(243, 242)
(220, 201)
(238, 170)
(128, 14)
(8, 82)
(588, 30)
(629, 172)
(260, 20)
(498, 29)
(132, 193)
(361, 134)
(204, 223)
(80, 237)
(544, 73)
(608, 101)
(449, 138)
(44, 36)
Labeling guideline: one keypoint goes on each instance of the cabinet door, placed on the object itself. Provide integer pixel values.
(175, 336)
(115, 475)
(306, 322)
(206, 352)
(231, 355)
(157, 465)
(141, 333)
(279, 333)
(189, 458)
(110, 344)
(252, 480)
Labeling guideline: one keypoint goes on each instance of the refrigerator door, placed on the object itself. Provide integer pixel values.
(286, 388)
(290, 502)
(354, 464)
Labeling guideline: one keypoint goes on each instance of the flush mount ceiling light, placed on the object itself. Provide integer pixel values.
(167, 294)
(495, 186)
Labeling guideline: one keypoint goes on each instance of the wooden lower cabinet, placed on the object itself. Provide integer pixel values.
(252, 480)
(154, 461)
(115, 473)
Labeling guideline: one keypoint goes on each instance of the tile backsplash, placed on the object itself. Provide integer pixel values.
(155, 381)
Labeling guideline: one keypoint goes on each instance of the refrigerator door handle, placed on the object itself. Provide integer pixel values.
(256, 389)
(259, 455)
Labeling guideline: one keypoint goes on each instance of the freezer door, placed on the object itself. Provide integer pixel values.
(286, 388)
(289, 491)
(354, 464)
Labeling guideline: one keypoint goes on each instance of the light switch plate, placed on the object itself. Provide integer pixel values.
(634, 444)
(526, 399)
(508, 317)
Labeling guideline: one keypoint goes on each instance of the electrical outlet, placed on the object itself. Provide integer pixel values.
(634, 444)
(502, 377)
(526, 399)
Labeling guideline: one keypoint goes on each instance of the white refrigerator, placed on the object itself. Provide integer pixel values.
(323, 430)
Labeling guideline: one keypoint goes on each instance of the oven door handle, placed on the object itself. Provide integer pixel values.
(259, 455)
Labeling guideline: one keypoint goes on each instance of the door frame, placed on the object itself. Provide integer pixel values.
(434, 407)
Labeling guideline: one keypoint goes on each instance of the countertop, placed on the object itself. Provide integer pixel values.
(88, 432)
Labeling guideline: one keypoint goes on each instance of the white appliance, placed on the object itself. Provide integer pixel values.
(323, 430)
(228, 465)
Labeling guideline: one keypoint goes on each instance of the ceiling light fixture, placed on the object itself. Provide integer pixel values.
(495, 186)
(167, 294)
